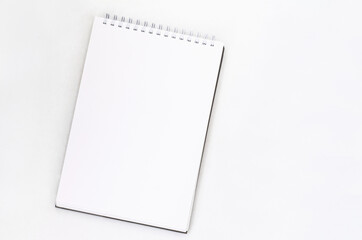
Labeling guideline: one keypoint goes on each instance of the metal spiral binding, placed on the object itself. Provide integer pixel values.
(159, 30)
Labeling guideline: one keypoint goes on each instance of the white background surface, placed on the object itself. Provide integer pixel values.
(283, 159)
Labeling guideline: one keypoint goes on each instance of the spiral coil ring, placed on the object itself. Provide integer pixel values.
(159, 30)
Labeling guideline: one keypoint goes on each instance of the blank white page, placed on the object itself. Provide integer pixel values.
(139, 126)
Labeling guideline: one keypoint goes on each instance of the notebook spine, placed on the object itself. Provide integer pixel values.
(159, 30)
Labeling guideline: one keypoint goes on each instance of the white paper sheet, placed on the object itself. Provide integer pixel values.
(139, 126)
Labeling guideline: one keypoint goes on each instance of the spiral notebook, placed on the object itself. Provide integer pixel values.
(140, 123)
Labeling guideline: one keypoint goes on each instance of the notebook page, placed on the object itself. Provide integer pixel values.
(139, 127)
